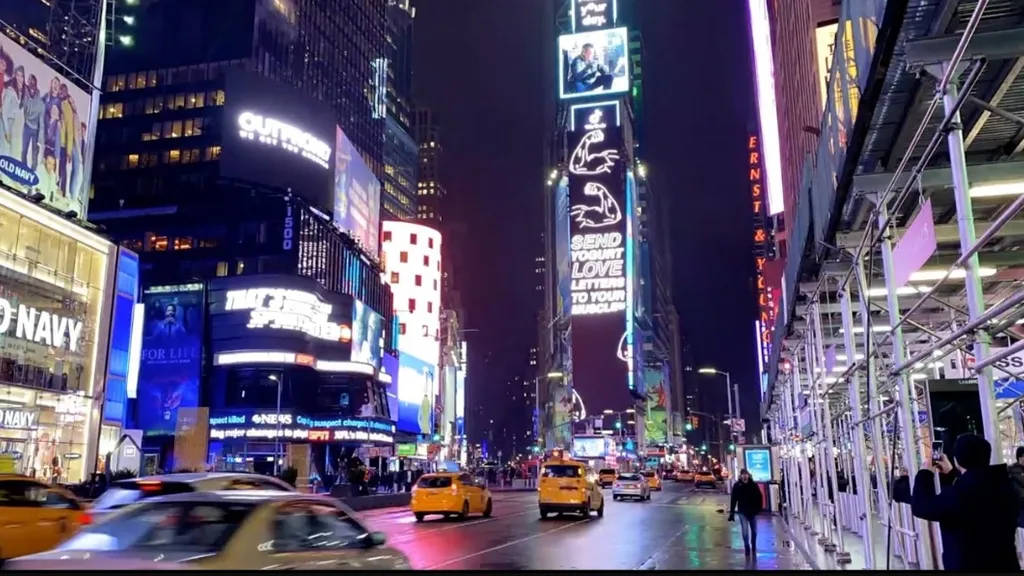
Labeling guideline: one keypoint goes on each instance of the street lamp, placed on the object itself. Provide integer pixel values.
(730, 389)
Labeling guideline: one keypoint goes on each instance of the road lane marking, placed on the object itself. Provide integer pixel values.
(507, 544)
(415, 534)
(651, 563)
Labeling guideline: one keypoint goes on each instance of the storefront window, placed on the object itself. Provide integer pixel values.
(47, 434)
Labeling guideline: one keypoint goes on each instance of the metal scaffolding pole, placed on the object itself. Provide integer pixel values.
(968, 240)
(874, 403)
(908, 409)
(842, 556)
(859, 447)
(825, 537)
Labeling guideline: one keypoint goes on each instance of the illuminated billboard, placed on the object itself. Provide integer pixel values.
(412, 267)
(277, 137)
(593, 14)
(356, 195)
(367, 334)
(599, 250)
(593, 63)
(416, 389)
(43, 131)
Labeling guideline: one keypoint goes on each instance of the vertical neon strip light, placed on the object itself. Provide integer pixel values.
(757, 344)
(630, 259)
(767, 113)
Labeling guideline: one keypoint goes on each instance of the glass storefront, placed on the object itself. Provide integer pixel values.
(43, 434)
(53, 291)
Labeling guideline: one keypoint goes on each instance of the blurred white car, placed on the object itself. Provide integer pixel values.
(239, 530)
(631, 485)
(125, 492)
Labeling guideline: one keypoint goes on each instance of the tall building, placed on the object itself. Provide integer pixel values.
(239, 156)
(608, 333)
(400, 149)
(430, 190)
(64, 30)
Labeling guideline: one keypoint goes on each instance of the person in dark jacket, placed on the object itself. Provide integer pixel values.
(976, 509)
(1016, 471)
(747, 500)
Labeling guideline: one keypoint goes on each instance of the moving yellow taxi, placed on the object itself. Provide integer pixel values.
(606, 477)
(653, 480)
(450, 494)
(704, 478)
(684, 476)
(568, 486)
(35, 517)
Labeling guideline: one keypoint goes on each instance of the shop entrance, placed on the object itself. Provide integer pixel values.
(13, 456)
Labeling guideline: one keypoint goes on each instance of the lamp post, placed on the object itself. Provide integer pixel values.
(730, 389)
(277, 436)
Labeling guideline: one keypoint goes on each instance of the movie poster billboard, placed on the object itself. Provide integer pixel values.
(44, 119)
(356, 195)
(171, 364)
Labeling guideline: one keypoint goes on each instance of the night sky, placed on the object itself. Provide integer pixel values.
(481, 66)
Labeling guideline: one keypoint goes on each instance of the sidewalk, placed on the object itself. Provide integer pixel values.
(854, 545)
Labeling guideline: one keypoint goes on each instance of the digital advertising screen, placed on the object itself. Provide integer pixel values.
(589, 447)
(416, 389)
(594, 63)
(367, 334)
(600, 275)
(172, 356)
(43, 131)
(275, 136)
(389, 365)
(356, 192)
(758, 461)
(593, 14)
(657, 420)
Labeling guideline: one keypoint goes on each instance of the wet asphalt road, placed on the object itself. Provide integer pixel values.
(680, 528)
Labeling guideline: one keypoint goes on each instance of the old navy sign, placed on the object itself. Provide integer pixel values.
(19, 418)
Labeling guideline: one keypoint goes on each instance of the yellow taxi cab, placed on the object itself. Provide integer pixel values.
(450, 494)
(35, 517)
(653, 480)
(684, 476)
(606, 477)
(568, 486)
(704, 478)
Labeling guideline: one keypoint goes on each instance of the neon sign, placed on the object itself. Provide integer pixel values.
(285, 309)
(763, 250)
(274, 132)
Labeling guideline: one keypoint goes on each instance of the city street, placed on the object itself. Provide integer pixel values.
(680, 528)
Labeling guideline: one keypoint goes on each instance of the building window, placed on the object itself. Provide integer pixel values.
(412, 239)
(394, 277)
(426, 260)
(412, 304)
(419, 280)
(430, 307)
(435, 283)
(403, 257)
(222, 269)
(212, 153)
(430, 242)
(401, 328)
(387, 236)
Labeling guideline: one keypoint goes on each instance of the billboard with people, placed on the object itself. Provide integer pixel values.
(594, 63)
(44, 119)
(171, 364)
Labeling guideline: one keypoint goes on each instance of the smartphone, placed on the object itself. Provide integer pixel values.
(936, 452)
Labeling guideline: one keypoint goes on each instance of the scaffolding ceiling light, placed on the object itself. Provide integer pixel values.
(998, 189)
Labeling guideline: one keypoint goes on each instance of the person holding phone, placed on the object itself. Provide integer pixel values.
(976, 509)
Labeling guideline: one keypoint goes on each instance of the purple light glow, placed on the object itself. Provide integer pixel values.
(767, 113)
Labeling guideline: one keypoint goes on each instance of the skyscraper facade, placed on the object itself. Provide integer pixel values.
(400, 149)
(430, 190)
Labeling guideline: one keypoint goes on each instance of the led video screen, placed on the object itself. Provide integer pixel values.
(593, 63)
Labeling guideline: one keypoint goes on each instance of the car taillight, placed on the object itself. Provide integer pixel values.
(85, 519)
(617, 485)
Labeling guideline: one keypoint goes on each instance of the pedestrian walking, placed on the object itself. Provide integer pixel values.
(748, 501)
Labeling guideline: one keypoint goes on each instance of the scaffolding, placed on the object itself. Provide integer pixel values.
(846, 435)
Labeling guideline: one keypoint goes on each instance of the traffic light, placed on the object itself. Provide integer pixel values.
(689, 427)
(436, 438)
(618, 424)
(732, 447)
(703, 447)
